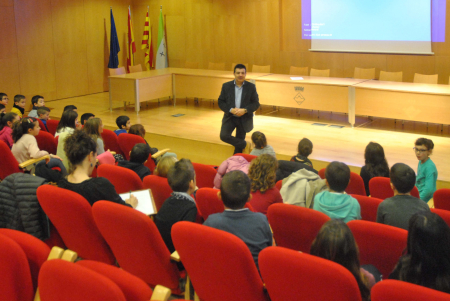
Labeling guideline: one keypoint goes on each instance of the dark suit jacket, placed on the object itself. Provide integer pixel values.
(249, 101)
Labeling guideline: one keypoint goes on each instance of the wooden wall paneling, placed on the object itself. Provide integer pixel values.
(291, 27)
(70, 48)
(34, 30)
(363, 60)
(176, 41)
(410, 64)
(98, 27)
(325, 60)
(443, 69)
(7, 3)
(200, 24)
(9, 77)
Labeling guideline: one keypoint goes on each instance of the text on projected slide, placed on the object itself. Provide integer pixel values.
(388, 20)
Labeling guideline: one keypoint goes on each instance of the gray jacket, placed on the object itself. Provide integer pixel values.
(19, 207)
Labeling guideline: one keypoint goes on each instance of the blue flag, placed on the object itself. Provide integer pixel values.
(114, 47)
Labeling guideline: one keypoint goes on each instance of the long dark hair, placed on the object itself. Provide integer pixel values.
(67, 120)
(5, 117)
(427, 262)
(376, 162)
(335, 242)
(21, 128)
(77, 147)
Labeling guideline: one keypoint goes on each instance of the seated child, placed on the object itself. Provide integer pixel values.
(85, 117)
(37, 101)
(164, 165)
(4, 99)
(19, 105)
(305, 147)
(124, 124)
(2, 108)
(252, 227)
(426, 170)
(335, 242)
(262, 174)
(70, 107)
(260, 145)
(138, 156)
(397, 210)
(25, 146)
(43, 114)
(6, 123)
(138, 129)
(180, 206)
(94, 128)
(335, 203)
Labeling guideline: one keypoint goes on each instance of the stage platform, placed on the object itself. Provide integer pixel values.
(195, 134)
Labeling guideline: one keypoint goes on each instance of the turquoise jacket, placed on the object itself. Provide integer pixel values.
(426, 179)
(337, 205)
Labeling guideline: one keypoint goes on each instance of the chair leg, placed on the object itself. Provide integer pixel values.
(124, 105)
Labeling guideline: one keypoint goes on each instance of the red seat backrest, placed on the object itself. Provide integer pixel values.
(16, 283)
(444, 214)
(208, 202)
(291, 275)
(42, 125)
(369, 207)
(379, 244)
(217, 261)
(71, 214)
(131, 286)
(52, 125)
(279, 184)
(127, 142)
(35, 250)
(247, 157)
(111, 141)
(129, 231)
(160, 188)
(204, 175)
(441, 199)
(63, 280)
(380, 187)
(123, 179)
(356, 185)
(8, 162)
(295, 227)
(46, 141)
(322, 173)
(404, 291)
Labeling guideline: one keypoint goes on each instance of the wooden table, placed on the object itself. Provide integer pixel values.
(174, 82)
(313, 93)
(405, 101)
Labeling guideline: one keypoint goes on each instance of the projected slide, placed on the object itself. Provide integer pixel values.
(385, 20)
(383, 26)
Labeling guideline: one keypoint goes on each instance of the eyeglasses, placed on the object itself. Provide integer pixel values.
(418, 150)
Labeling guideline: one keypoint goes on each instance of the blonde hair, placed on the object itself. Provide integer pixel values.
(92, 128)
(262, 173)
(162, 169)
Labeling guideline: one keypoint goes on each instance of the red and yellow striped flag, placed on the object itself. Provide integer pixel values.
(148, 44)
(131, 45)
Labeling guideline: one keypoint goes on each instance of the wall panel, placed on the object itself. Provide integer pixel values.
(60, 48)
(35, 43)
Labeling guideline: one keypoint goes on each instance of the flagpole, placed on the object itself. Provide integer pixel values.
(129, 9)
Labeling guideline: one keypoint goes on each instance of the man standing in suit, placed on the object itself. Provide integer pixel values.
(238, 100)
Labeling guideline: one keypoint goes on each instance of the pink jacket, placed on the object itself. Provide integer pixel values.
(5, 136)
(230, 164)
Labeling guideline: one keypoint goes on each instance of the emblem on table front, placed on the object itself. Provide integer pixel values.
(299, 98)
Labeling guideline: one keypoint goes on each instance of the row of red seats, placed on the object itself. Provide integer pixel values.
(138, 248)
(287, 275)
